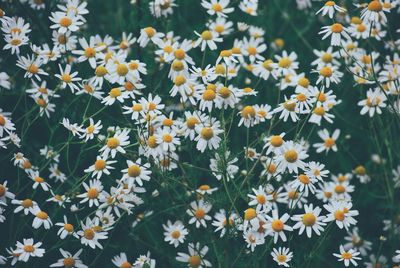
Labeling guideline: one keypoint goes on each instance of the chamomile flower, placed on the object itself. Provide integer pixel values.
(14, 41)
(195, 258)
(28, 248)
(91, 130)
(337, 31)
(347, 256)
(66, 229)
(374, 12)
(207, 135)
(100, 166)
(90, 235)
(69, 260)
(175, 233)
(309, 221)
(5, 193)
(93, 192)
(329, 141)
(356, 242)
(329, 8)
(136, 173)
(207, 39)
(277, 225)
(292, 156)
(26, 205)
(341, 213)
(261, 199)
(115, 94)
(67, 78)
(282, 256)
(374, 102)
(149, 34)
(116, 143)
(121, 260)
(65, 22)
(32, 66)
(198, 212)
(217, 7)
(89, 51)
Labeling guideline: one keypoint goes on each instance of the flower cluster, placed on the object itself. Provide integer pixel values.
(199, 145)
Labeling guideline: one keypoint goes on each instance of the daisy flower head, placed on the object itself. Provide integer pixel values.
(26, 205)
(14, 41)
(90, 52)
(207, 39)
(217, 7)
(175, 233)
(64, 22)
(347, 256)
(66, 229)
(309, 221)
(93, 192)
(196, 255)
(374, 12)
(121, 260)
(100, 166)
(292, 156)
(329, 141)
(67, 78)
(149, 34)
(28, 248)
(282, 256)
(337, 31)
(136, 172)
(328, 74)
(341, 213)
(207, 135)
(198, 212)
(329, 8)
(374, 102)
(356, 242)
(115, 94)
(277, 225)
(286, 64)
(69, 260)
(116, 143)
(5, 193)
(41, 218)
(90, 235)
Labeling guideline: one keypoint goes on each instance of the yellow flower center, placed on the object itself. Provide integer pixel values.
(180, 80)
(206, 35)
(249, 214)
(92, 193)
(284, 62)
(207, 133)
(69, 227)
(199, 213)
(69, 262)
(65, 22)
(248, 112)
(180, 54)
(167, 138)
(304, 179)
(277, 225)
(261, 198)
(252, 50)
(375, 6)
(330, 3)
(309, 219)
(29, 248)
(194, 261)
(281, 258)
(276, 141)
(191, 122)
(112, 143)
(337, 28)
(122, 69)
(289, 105)
(339, 215)
(301, 97)
(88, 234)
(225, 53)
(326, 71)
(90, 52)
(291, 156)
(329, 142)
(42, 215)
(66, 78)
(101, 71)
(340, 189)
(175, 234)
(150, 31)
(209, 95)
(217, 7)
(134, 171)
(100, 164)
(347, 255)
(319, 111)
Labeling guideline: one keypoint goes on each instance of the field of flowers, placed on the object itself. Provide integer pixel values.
(200, 133)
